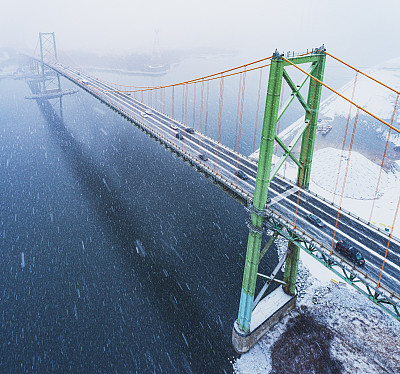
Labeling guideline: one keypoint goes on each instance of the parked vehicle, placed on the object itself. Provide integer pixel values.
(315, 220)
(350, 252)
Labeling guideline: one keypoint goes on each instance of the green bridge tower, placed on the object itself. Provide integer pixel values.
(48, 52)
(265, 174)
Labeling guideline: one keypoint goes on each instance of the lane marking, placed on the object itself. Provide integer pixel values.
(283, 195)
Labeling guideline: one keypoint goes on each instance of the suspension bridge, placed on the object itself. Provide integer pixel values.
(277, 206)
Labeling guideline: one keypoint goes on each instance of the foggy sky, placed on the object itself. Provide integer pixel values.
(361, 32)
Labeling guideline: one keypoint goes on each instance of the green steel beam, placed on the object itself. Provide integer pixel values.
(290, 99)
(304, 59)
(268, 245)
(296, 91)
(291, 265)
(288, 152)
(260, 192)
(308, 141)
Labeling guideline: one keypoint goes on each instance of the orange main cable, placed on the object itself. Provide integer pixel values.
(343, 97)
(197, 79)
(366, 75)
(390, 237)
(183, 83)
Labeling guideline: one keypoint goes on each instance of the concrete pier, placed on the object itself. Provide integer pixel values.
(267, 313)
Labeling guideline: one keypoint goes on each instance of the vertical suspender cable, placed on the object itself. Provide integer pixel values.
(194, 104)
(383, 158)
(183, 102)
(173, 103)
(201, 113)
(240, 123)
(206, 121)
(344, 179)
(237, 112)
(390, 237)
(161, 100)
(186, 102)
(345, 136)
(221, 94)
(257, 111)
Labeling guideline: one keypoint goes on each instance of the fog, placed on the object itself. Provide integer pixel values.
(361, 32)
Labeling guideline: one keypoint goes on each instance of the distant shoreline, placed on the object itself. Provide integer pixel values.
(128, 72)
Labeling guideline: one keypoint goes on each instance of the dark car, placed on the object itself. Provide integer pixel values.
(242, 175)
(315, 220)
(268, 200)
(203, 157)
(189, 130)
(350, 252)
(179, 135)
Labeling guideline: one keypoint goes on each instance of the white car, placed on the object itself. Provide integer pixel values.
(148, 112)
(174, 127)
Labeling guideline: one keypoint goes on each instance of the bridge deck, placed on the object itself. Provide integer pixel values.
(221, 166)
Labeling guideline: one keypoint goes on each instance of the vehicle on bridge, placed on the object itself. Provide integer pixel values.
(148, 112)
(179, 135)
(241, 174)
(315, 220)
(203, 157)
(189, 130)
(174, 127)
(350, 252)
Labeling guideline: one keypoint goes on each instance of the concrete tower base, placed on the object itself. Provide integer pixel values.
(267, 313)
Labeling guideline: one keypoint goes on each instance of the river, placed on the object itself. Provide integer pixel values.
(116, 257)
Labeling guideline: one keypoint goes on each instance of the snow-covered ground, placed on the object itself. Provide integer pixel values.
(333, 329)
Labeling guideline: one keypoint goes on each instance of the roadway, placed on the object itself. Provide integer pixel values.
(223, 163)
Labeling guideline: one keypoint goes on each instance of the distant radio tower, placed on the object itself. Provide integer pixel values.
(155, 60)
